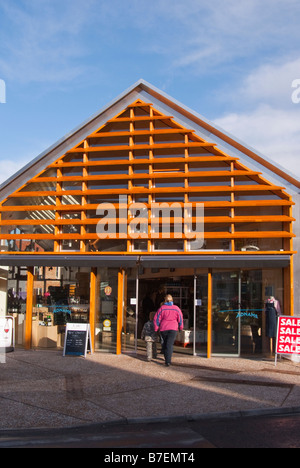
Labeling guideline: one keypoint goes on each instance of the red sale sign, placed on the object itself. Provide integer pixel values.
(288, 335)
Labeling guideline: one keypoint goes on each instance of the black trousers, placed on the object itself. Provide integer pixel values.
(169, 337)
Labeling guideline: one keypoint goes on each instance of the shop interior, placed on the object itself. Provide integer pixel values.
(62, 294)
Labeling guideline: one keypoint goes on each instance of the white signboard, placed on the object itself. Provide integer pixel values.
(7, 342)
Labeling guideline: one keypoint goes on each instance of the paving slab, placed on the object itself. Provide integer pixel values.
(43, 389)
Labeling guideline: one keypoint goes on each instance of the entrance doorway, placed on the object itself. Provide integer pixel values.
(152, 293)
(228, 319)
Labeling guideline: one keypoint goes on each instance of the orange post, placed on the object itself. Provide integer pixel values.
(209, 314)
(93, 283)
(120, 311)
(29, 306)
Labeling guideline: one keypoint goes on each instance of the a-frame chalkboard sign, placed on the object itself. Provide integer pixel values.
(77, 340)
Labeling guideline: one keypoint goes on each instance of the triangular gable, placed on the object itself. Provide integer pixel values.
(167, 105)
(147, 156)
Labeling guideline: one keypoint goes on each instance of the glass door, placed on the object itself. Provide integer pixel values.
(130, 312)
(106, 299)
(200, 314)
(251, 313)
(226, 316)
(237, 312)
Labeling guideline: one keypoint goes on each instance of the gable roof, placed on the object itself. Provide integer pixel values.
(185, 116)
(141, 157)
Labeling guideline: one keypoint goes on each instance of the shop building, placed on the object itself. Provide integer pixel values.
(149, 197)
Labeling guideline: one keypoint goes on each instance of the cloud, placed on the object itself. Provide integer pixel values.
(246, 51)
(9, 167)
(271, 83)
(54, 41)
(39, 40)
(230, 35)
(273, 132)
(263, 114)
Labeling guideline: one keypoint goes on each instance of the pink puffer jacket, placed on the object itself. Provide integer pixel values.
(168, 317)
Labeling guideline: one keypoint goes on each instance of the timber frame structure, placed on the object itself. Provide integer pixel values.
(153, 159)
(147, 148)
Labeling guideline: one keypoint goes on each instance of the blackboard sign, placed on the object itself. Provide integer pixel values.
(77, 339)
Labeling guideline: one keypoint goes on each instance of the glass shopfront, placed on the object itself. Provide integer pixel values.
(238, 300)
(16, 300)
(238, 311)
(141, 190)
(106, 301)
(61, 295)
(121, 303)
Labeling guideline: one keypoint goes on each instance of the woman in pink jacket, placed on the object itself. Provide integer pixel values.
(168, 320)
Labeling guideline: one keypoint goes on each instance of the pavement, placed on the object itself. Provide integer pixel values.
(43, 389)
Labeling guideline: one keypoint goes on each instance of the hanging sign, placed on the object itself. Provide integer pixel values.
(7, 340)
(77, 340)
(288, 335)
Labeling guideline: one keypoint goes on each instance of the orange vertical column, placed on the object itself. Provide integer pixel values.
(93, 302)
(84, 188)
(29, 306)
(288, 272)
(121, 276)
(209, 314)
(57, 229)
(292, 311)
(291, 271)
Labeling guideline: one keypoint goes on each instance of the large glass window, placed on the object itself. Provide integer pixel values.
(200, 318)
(224, 313)
(106, 300)
(61, 295)
(131, 312)
(238, 310)
(16, 300)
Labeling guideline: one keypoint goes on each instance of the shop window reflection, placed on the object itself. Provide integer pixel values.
(106, 300)
(61, 295)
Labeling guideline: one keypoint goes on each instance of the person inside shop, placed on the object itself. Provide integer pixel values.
(160, 296)
(147, 307)
(168, 319)
(273, 310)
(150, 336)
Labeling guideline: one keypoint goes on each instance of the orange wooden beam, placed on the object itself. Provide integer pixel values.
(120, 310)
(169, 131)
(154, 221)
(213, 204)
(29, 307)
(155, 236)
(145, 190)
(143, 161)
(136, 147)
(93, 302)
(161, 175)
(209, 313)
